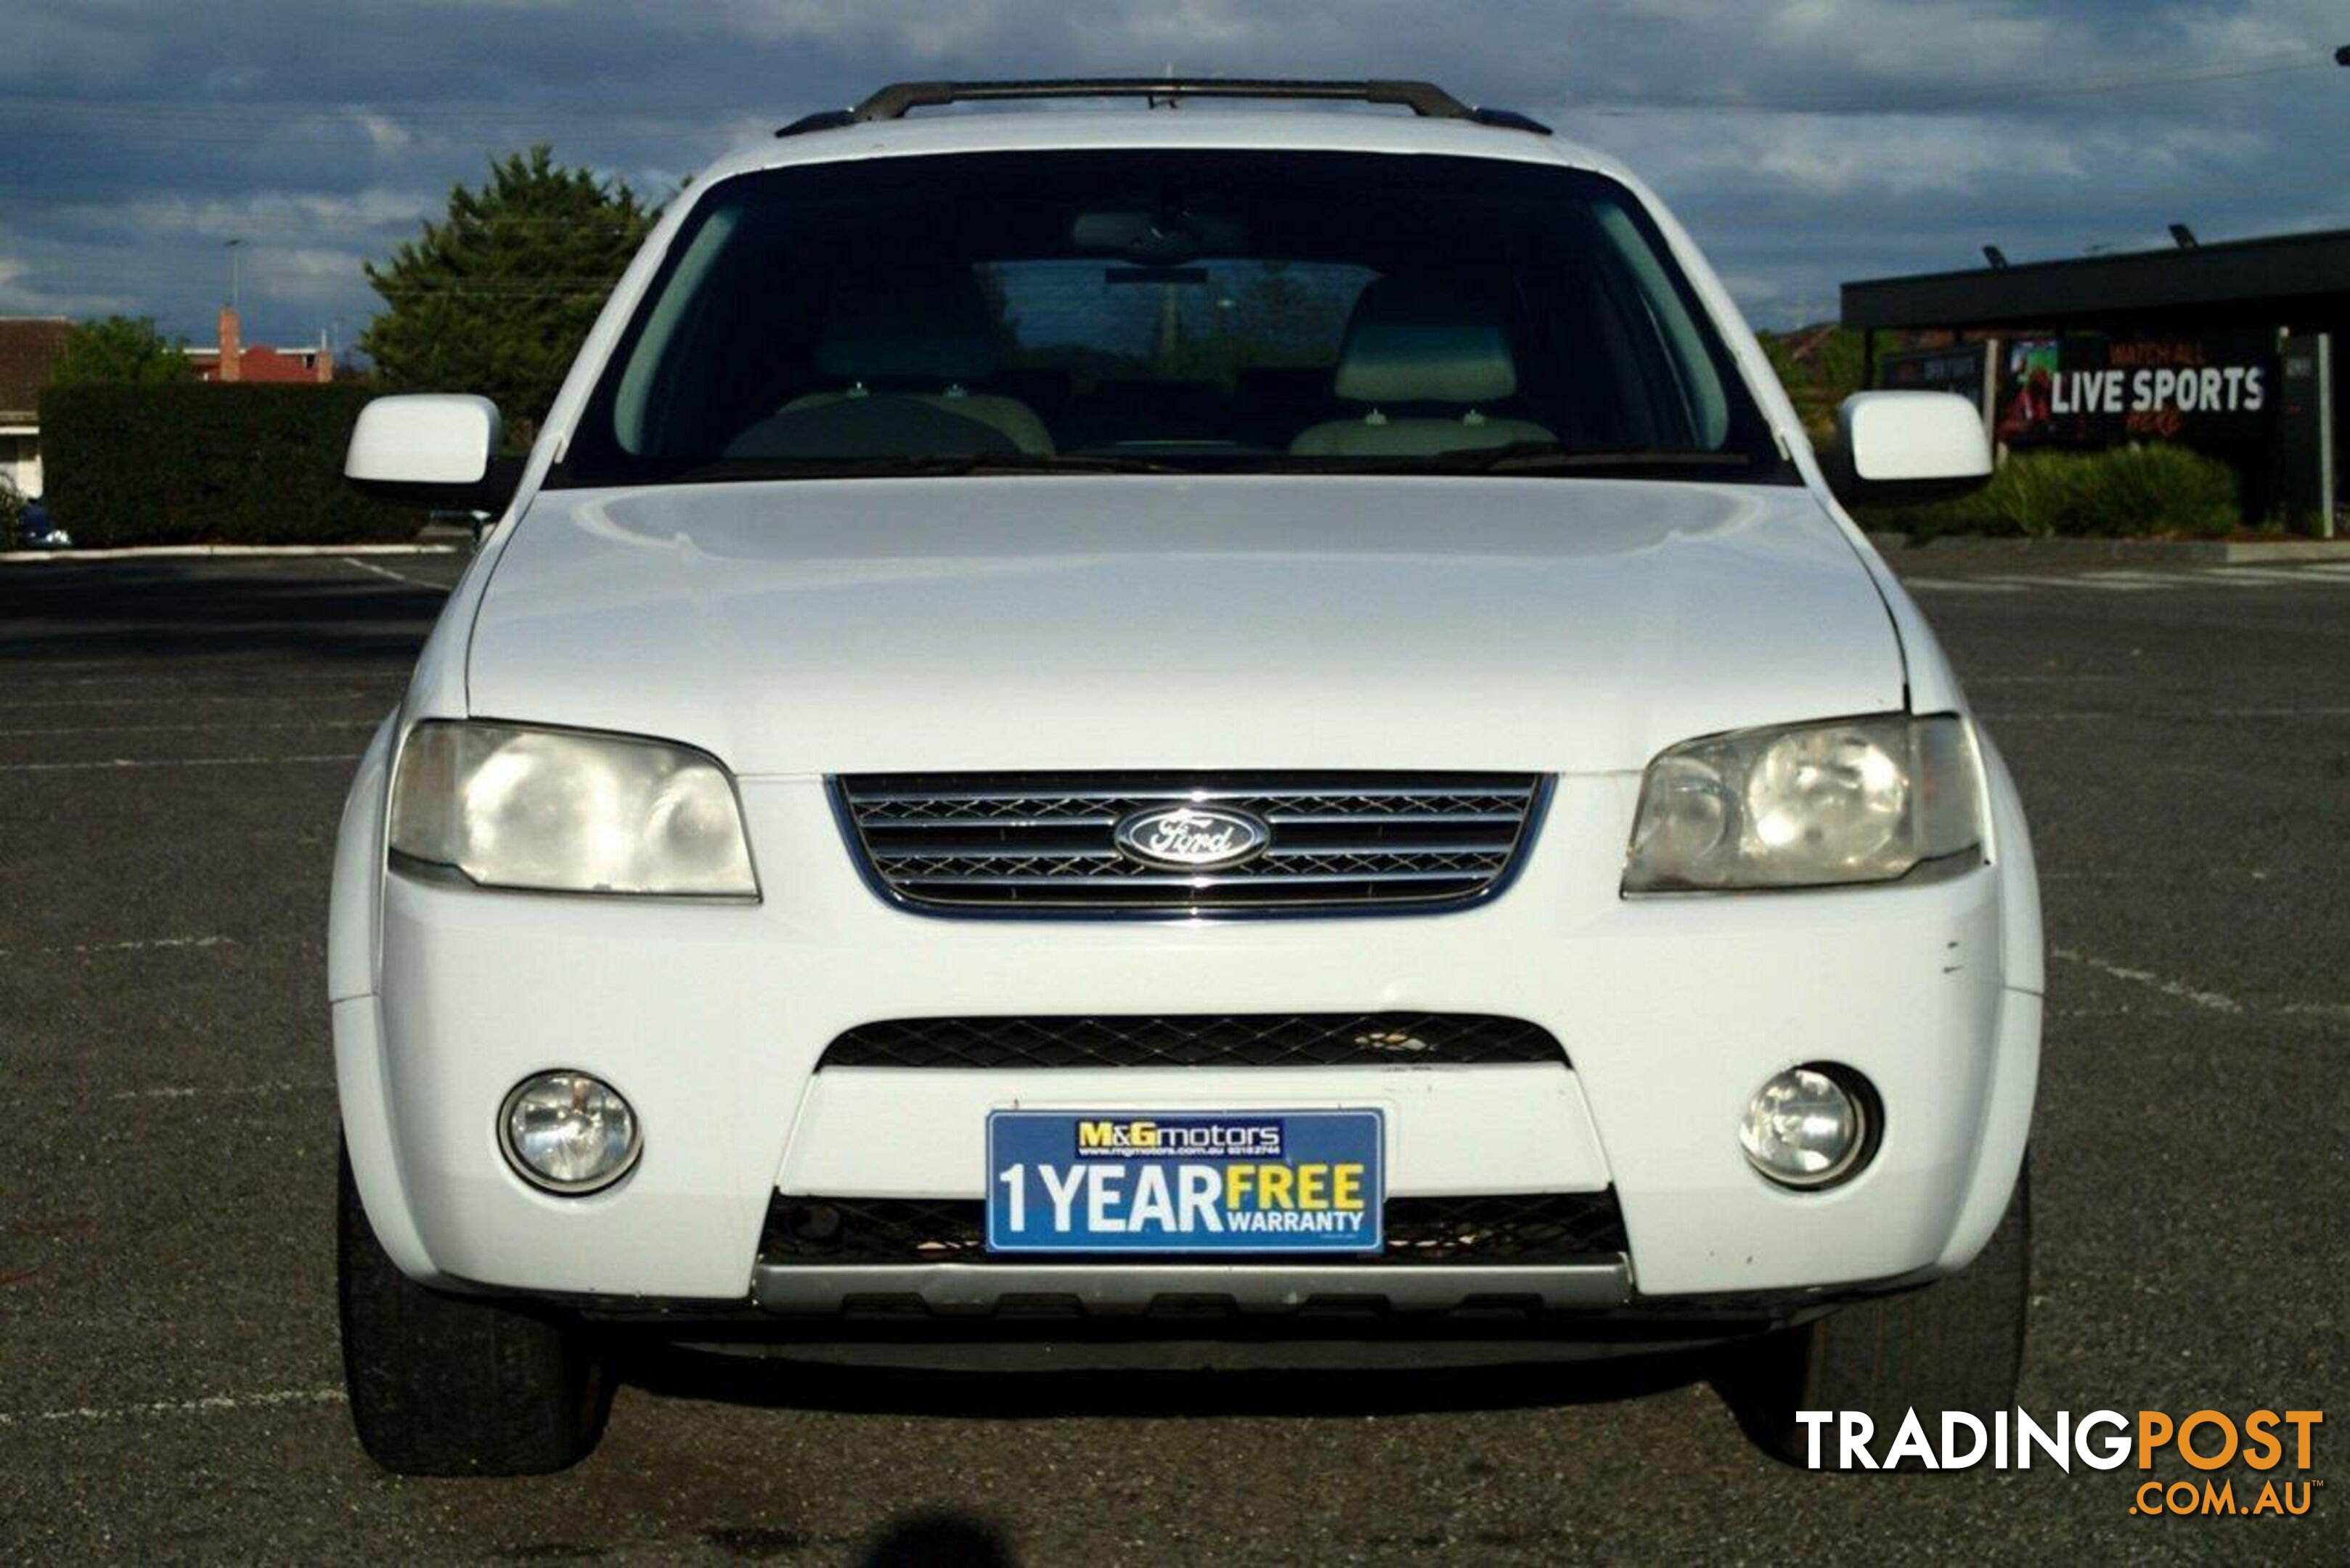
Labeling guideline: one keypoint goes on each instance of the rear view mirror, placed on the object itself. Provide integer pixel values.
(1163, 238)
(433, 450)
(1909, 447)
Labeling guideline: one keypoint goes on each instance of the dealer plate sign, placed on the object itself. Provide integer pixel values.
(1189, 1182)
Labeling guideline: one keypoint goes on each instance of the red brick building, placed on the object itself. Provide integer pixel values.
(233, 361)
(28, 346)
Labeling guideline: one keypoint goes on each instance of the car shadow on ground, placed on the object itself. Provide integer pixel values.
(1218, 1381)
(939, 1539)
(305, 610)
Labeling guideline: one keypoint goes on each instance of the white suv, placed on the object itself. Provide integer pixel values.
(1103, 734)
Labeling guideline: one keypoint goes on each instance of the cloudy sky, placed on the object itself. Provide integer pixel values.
(1804, 142)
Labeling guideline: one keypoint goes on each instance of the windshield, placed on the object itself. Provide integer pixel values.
(1168, 310)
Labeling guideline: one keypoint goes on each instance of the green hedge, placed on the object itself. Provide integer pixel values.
(2123, 492)
(204, 463)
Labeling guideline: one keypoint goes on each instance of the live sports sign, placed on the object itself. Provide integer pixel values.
(2094, 390)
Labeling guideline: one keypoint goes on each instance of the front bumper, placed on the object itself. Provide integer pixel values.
(711, 1019)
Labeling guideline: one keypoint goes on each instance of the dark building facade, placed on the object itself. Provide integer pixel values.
(2231, 347)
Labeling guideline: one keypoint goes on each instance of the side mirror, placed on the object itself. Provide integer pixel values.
(1910, 447)
(433, 450)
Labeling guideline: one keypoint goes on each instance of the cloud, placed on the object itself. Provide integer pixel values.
(1817, 157)
(388, 134)
(1804, 141)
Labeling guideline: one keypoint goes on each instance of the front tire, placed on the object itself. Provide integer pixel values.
(444, 1384)
(1955, 1344)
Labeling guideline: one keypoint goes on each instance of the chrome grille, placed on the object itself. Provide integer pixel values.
(1046, 842)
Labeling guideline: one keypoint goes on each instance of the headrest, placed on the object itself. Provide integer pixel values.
(927, 325)
(1411, 342)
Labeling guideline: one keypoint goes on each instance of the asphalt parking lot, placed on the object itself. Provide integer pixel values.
(175, 738)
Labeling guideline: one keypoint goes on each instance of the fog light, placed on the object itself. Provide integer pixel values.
(1809, 1126)
(568, 1133)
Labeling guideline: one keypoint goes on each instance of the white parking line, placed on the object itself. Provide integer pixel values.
(2280, 712)
(140, 944)
(2123, 581)
(234, 552)
(2260, 574)
(176, 699)
(2146, 977)
(2137, 579)
(174, 762)
(2071, 714)
(209, 1405)
(153, 679)
(395, 576)
(2030, 580)
(239, 725)
(2059, 716)
(1960, 586)
(256, 664)
(225, 1091)
(2247, 577)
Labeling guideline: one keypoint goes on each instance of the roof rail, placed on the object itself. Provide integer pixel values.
(1423, 99)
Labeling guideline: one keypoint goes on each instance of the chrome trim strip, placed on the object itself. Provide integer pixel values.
(994, 852)
(941, 824)
(1270, 792)
(1482, 847)
(1286, 818)
(1204, 881)
(1398, 818)
(1295, 852)
(1121, 1286)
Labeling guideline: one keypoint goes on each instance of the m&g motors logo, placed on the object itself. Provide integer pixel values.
(1165, 1138)
(2277, 1446)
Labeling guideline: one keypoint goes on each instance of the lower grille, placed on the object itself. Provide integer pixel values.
(1268, 1040)
(1536, 1228)
(1303, 842)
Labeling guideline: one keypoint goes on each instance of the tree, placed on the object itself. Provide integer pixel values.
(120, 349)
(497, 297)
(1272, 315)
(1820, 366)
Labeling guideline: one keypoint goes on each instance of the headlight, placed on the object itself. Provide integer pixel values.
(1860, 800)
(557, 811)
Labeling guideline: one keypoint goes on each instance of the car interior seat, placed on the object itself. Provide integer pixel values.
(1428, 360)
(898, 342)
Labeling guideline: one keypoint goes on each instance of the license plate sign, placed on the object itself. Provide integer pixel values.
(1185, 1181)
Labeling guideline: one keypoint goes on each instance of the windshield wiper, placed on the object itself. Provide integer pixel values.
(1528, 457)
(1536, 457)
(955, 466)
(1074, 462)
(1519, 457)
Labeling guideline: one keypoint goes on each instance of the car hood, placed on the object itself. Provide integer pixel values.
(1547, 625)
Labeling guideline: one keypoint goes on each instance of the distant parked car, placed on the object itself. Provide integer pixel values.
(35, 531)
